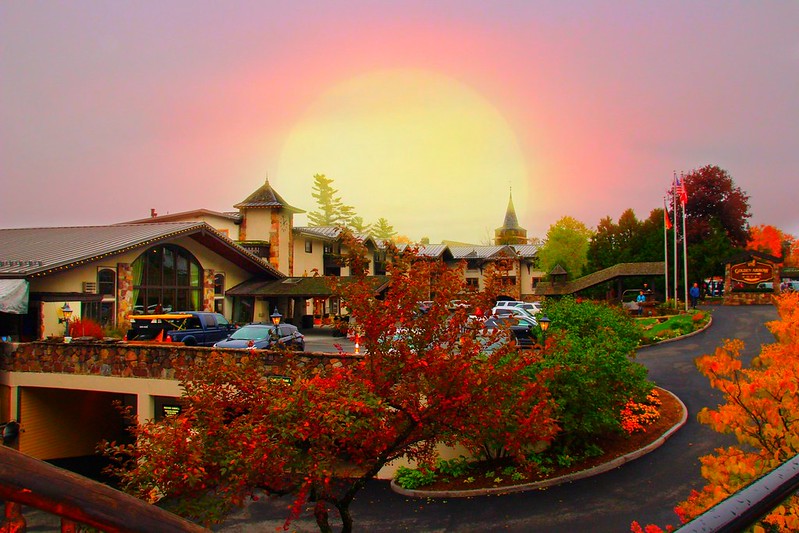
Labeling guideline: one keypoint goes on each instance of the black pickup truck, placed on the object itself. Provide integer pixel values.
(192, 328)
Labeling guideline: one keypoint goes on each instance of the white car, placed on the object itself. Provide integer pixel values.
(512, 311)
(532, 308)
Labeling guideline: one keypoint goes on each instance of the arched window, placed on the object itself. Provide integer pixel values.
(167, 278)
(106, 282)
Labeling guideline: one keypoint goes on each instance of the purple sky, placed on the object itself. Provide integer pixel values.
(586, 108)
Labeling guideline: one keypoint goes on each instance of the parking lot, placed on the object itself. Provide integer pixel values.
(322, 340)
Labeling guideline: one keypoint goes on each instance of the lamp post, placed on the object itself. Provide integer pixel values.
(276, 316)
(65, 313)
(543, 322)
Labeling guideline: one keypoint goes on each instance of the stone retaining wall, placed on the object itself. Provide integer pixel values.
(153, 361)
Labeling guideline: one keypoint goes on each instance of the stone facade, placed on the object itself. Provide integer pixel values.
(148, 361)
(124, 294)
(208, 289)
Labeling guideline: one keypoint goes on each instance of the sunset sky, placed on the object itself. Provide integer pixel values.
(422, 112)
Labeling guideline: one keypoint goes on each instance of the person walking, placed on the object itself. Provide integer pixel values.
(694, 294)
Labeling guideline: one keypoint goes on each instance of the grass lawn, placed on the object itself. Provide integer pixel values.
(659, 328)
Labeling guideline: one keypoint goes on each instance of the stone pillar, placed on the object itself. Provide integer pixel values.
(124, 294)
(208, 289)
(274, 240)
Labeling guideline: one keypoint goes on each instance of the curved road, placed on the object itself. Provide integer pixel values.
(646, 489)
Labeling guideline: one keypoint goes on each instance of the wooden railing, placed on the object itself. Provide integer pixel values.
(77, 500)
(750, 504)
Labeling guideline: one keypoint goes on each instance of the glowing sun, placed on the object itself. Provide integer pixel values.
(422, 150)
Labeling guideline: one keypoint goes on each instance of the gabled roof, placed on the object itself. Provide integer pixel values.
(746, 255)
(184, 215)
(28, 252)
(482, 252)
(427, 250)
(300, 287)
(526, 250)
(330, 233)
(265, 196)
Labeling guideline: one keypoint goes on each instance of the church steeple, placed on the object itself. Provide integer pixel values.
(511, 222)
(510, 232)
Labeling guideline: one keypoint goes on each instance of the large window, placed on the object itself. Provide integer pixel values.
(167, 278)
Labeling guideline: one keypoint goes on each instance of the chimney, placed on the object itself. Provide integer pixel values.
(153, 214)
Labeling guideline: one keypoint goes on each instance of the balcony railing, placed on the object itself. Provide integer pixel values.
(77, 500)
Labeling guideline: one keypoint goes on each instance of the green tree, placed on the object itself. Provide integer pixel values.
(590, 370)
(382, 230)
(358, 225)
(603, 249)
(331, 211)
(566, 245)
(650, 242)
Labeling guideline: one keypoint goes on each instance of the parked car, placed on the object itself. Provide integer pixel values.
(508, 303)
(511, 311)
(192, 328)
(525, 330)
(260, 336)
(456, 304)
(531, 307)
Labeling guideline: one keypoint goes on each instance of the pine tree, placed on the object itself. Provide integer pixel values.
(382, 230)
(358, 225)
(331, 210)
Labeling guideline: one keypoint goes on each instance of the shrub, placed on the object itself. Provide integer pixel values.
(589, 370)
(85, 327)
(413, 478)
(454, 467)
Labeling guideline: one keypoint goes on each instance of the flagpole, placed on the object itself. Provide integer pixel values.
(676, 228)
(666, 248)
(683, 196)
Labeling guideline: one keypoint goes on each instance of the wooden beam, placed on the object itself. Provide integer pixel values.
(43, 486)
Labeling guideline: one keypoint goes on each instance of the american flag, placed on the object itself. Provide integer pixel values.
(679, 190)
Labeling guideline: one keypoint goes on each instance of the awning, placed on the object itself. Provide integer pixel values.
(14, 296)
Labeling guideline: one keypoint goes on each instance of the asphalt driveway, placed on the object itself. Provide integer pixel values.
(645, 490)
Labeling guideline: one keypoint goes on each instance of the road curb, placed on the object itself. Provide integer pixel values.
(538, 485)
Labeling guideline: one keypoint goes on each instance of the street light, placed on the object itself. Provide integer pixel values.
(65, 313)
(276, 316)
(543, 322)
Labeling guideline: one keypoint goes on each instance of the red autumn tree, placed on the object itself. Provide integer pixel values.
(771, 240)
(425, 379)
(761, 409)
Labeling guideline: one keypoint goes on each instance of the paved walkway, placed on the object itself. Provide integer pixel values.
(645, 490)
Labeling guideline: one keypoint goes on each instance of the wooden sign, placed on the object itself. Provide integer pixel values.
(752, 272)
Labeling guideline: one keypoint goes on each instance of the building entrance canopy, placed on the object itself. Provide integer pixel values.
(14, 296)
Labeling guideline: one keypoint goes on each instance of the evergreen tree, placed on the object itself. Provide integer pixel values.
(331, 210)
(359, 226)
(382, 230)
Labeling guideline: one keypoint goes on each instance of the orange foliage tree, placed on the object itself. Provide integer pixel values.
(761, 409)
(321, 434)
(771, 240)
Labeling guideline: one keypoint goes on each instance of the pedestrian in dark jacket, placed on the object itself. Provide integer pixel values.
(694, 294)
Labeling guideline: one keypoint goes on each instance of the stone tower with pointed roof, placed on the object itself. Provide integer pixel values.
(266, 226)
(510, 232)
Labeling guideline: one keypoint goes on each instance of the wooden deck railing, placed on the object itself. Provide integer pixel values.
(750, 504)
(77, 500)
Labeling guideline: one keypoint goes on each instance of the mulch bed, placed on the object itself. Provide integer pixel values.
(671, 412)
